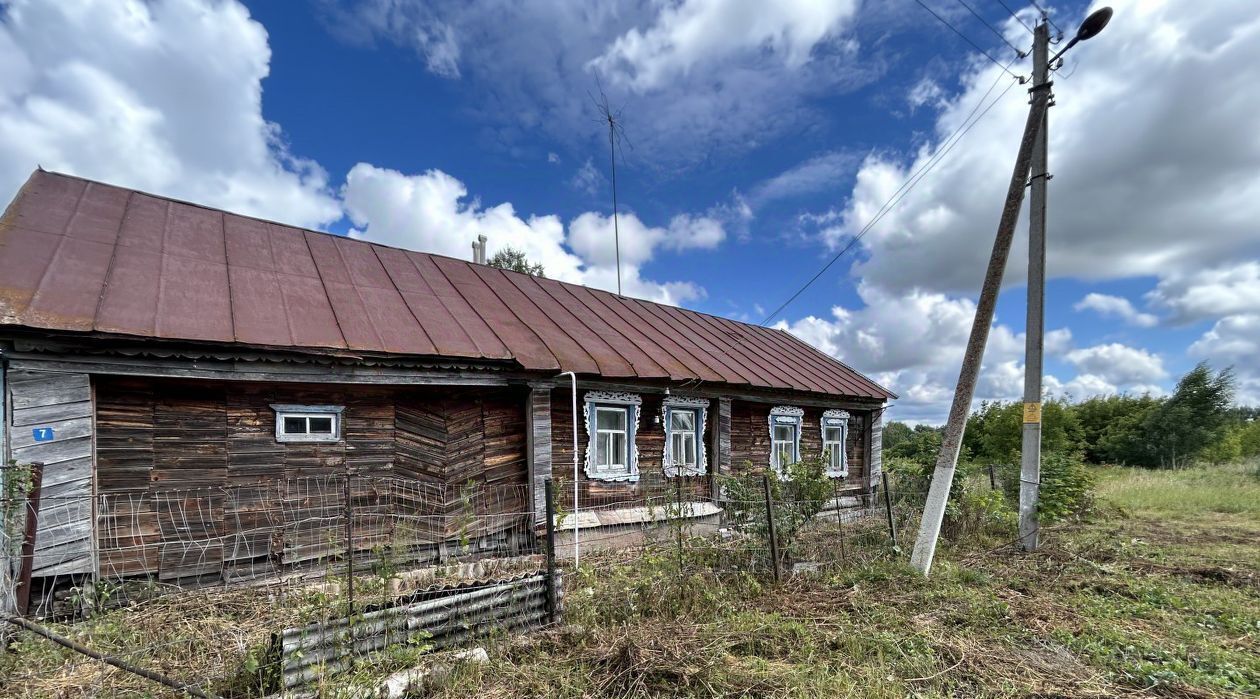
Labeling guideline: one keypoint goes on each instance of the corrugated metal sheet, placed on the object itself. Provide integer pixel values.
(441, 617)
(82, 256)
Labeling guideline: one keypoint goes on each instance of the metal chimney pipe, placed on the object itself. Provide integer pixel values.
(481, 240)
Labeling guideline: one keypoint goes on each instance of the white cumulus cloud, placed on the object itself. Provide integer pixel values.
(433, 212)
(695, 31)
(162, 96)
(1110, 306)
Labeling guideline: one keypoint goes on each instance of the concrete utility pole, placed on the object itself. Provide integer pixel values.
(1034, 329)
(943, 475)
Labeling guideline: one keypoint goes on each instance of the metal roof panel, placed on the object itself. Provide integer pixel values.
(77, 255)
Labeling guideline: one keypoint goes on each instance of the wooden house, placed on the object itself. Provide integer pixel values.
(162, 358)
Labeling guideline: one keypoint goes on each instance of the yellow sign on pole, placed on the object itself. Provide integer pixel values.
(1032, 413)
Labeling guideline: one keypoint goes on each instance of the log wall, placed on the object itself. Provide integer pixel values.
(650, 440)
(750, 438)
(193, 479)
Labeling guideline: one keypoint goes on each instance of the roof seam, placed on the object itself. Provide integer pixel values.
(438, 297)
(227, 273)
(61, 242)
(528, 299)
(516, 315)
(324, 285)
(595, 313)
(113, 255)
(376, 255)
(157, 308)
(714, 354)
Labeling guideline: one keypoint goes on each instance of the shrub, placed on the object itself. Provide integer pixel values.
(798, 495)
(1067, 487)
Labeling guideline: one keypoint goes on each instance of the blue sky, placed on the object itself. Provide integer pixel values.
(760, 138)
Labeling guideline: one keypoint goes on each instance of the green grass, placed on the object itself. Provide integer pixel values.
(1157, 592)
(1232, 489)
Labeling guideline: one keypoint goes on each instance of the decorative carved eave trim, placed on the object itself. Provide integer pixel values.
(685, 402)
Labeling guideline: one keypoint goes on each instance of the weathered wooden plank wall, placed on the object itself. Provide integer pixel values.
(538, 449)
(650, 440)
(62, 402)
(750, 438)
(193, 479)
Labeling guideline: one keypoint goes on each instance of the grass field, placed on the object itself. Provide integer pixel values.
(1156, 593)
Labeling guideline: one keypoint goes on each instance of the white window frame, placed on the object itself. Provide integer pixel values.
(286, 410)
(700, 407)
(833, 420)
(608, 400)
(780, 416)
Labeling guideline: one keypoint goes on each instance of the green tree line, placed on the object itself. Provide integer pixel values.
(1197, 423)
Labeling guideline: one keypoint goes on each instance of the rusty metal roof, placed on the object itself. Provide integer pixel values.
(77, 255)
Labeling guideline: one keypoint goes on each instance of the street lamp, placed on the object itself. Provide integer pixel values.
(1089, 29)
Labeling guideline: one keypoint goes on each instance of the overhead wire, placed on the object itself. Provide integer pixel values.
(908, 185)
(966, 38)
(1015, 15)
(1046, 16)
(992, 28)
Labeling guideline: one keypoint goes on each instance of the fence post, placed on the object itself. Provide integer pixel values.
(23, 590)
(835, 491)
(992, 478)
(349, 517)
(892, 527)
(549, 489)
(774, 540)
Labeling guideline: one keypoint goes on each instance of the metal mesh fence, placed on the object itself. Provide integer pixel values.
(246, 589)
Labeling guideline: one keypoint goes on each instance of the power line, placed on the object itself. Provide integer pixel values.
(1046, 16)
(1016, 16)
(966, 38)
(906, 187)
(993, 29)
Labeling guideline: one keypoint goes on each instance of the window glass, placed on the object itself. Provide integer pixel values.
(610, 419)
(833, 455)
(320, 425)
(610, 438)
(689, 449)
(308, 423)
(683, 420)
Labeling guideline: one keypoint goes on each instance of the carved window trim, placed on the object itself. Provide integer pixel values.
(632, 404)
(700, 406)
(785, 415)
(835, 419)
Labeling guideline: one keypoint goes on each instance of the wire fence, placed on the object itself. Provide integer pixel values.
(321, 582)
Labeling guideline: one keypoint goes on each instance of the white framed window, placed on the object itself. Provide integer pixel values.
(612, 439)
(785, 437)
(835, 432)
(611, 422)
(308, 423)
(684, 435)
